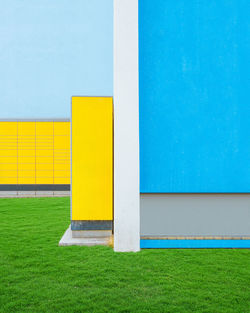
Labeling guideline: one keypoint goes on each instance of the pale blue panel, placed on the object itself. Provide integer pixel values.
(194, 95)
(51, 50)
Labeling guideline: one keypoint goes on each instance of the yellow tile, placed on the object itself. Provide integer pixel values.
(8, 166)
(44, 129)
(26, 129)
(61, 173)
(26, 166)
(8, 173)
(26, 159)
(44, 153)
(44, 160)
(62, 162)
(92, 152)
(62, 166)
(61, 154)
(44, 180)
(26, 180)
(62, 143)
(26, 152)
(44, 166)
(61, 128)
(8, 152)
(26, 142)
(26, 173)
(44, 142)
(12, 159)
(8, 142)
(40, 173)
(61, 180)
(8, 128)
(8, 180)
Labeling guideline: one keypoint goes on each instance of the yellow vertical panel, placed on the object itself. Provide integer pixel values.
(44, 128)
(8, 128)
(92, 158)
(61, 128)
(26, 128)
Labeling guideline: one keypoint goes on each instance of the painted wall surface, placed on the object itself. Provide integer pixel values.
(194, 96)
(51, 50)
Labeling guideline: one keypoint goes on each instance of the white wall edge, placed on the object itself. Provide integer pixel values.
(126, 127)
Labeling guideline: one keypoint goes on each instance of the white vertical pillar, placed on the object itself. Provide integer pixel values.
(126, 127)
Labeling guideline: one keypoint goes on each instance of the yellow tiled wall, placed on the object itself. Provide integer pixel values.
(35, 152)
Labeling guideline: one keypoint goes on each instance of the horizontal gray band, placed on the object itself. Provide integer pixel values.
(91, 225)
(33, 187)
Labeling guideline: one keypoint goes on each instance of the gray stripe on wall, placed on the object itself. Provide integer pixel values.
(33, 187)
(195, 215)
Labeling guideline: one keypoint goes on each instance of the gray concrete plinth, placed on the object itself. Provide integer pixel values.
(93, 239)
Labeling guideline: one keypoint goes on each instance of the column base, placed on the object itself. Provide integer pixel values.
(86, 238)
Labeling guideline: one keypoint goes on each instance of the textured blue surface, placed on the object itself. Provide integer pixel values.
(194, 95)
(194, 243)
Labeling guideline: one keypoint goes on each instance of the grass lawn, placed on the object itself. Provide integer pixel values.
(38, 276)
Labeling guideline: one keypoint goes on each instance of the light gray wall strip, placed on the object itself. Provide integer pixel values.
(195, 215)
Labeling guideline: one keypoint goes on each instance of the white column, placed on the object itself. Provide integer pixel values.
(126, 127)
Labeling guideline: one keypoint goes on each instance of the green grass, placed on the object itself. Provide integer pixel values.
(38, 276)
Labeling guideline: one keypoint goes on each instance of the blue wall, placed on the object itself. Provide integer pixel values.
(194, 95)
(51, 50)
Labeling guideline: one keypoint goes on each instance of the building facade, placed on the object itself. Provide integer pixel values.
(178, 76)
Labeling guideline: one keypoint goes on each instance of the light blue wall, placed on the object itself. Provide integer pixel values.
(51, 50)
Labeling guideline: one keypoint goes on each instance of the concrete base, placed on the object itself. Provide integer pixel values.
(33, 194)
(93, 238)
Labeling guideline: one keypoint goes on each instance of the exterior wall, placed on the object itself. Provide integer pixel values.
(194, 120)
(34, 155)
